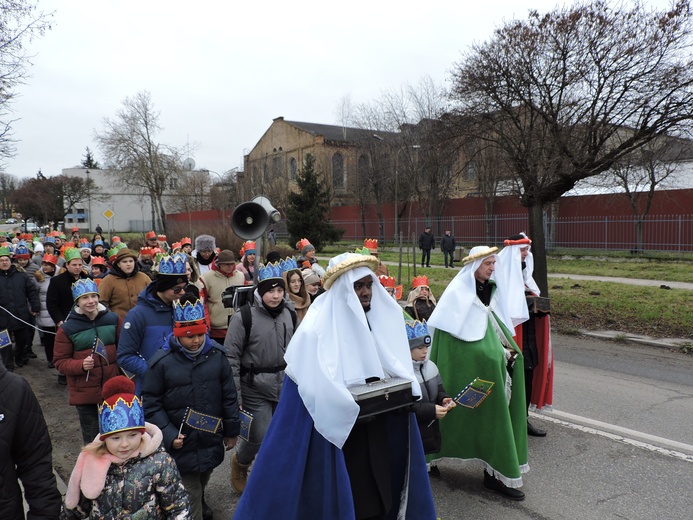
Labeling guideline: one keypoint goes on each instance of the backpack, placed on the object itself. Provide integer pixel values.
(247, 319)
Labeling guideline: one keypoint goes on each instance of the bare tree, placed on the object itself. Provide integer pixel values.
(639, 174)
(8, 183)
(566, 94)
(141, 164)
(20, 22)
(192, 192)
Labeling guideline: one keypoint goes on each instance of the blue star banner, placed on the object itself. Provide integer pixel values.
(5, 339)
(203, 422)
(100, 349)
(474, 393)
(246, 420)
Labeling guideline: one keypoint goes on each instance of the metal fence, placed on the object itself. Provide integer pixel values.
(665, 233)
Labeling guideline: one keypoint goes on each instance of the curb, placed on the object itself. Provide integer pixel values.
(667, 343)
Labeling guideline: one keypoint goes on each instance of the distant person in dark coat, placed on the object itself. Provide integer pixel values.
(25, 453)
(447, 246)
(426, 242)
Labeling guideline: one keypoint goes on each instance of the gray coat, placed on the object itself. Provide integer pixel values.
(264, 353)
(42, 280)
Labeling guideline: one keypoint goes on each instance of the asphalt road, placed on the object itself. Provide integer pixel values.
(619, 444)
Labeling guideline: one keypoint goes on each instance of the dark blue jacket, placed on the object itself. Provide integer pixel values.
(145, 328)
(205, 384)
(18, 292)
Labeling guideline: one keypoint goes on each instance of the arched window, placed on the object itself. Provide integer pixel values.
(293, 169)
(338, 171)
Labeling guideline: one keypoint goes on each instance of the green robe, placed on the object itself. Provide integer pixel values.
(494, 432)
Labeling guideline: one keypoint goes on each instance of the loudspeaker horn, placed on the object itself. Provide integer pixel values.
(251, 219)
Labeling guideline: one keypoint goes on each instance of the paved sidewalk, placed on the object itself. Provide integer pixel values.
(629, 281)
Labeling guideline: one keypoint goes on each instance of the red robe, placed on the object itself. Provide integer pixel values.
(542, 380)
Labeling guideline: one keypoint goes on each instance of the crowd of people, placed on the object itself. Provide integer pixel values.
(168, 367)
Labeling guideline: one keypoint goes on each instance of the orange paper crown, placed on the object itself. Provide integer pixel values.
(161, 238)
(176, 245)
(371, 244)
(186, 241)
(302, 243)
(98, 260)
(147, 250)
(420, 281)
(150, 235)
(387, 281)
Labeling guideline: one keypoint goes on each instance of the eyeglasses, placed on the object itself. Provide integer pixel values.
(178, 290)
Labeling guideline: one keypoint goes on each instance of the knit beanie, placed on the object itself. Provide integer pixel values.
(226, 257)
(165, 282)
(307, 248)
(205, 243)
(269, 284)
(121, 409)
(273, 256)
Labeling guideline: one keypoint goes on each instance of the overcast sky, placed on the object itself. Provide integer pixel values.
(220, 71)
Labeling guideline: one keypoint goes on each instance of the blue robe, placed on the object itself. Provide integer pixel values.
(298, 474)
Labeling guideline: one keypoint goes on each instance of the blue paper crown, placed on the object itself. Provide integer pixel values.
(21, 249)
(288, 264)
(272, 270)
(97, 243)
(49, 240)
(121, 416)
(173, 265)
(189, 311)
(83, 286)
(417, 332)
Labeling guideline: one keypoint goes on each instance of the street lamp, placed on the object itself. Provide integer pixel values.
(398, 232)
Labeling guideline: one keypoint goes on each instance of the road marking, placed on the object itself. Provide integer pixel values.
(645, 441)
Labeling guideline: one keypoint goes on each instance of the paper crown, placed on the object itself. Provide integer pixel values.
(98, 260)
(72, 253)
(174, 265)
(270, 270)
(161, 238)
(371, 243)
(362, 251)
(84, 286)
(147, 251)
(49, 240)
(387, 281)
(5, 251)
(176, 246)
(61, 236)
(121, 409)
(113, 252)
(288, 264)
(22, 251)
(185, 241)
(150, 235)
(420, 281)
(302, 243)
(84, 240)
(74, 229)
(249, 247)
(189, 318)
(50, 259)
(115, 240)
(97, 243)
(417, 333)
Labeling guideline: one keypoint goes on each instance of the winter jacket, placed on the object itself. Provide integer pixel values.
(214, 283)
(176, 381)
(258, 367)
(19, 296)
(59, 300)
(432, 394)
(119, 292)
(447, 243)
(42, 281)
(147, 486)
(25, 453)
(74, 342)
(145, 329)
(427, 241)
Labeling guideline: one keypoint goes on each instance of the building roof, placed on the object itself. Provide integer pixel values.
(338, 133)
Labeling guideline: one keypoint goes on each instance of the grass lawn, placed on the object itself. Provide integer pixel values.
(590, 305)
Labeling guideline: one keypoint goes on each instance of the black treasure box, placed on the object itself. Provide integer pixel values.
(384, 395)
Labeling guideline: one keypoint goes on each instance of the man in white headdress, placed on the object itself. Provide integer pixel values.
(532, 326)
(338, 467)
(473, 339)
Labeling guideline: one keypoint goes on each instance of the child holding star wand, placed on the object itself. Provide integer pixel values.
(89, 329)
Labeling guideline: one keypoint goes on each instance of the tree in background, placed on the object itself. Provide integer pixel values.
(89, 162)
(307, 209)
(20, 22)
(8, 183)
(141, 164)
(567, 94)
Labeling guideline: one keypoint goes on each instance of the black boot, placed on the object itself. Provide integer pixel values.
(496, 485)
(534, 431)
